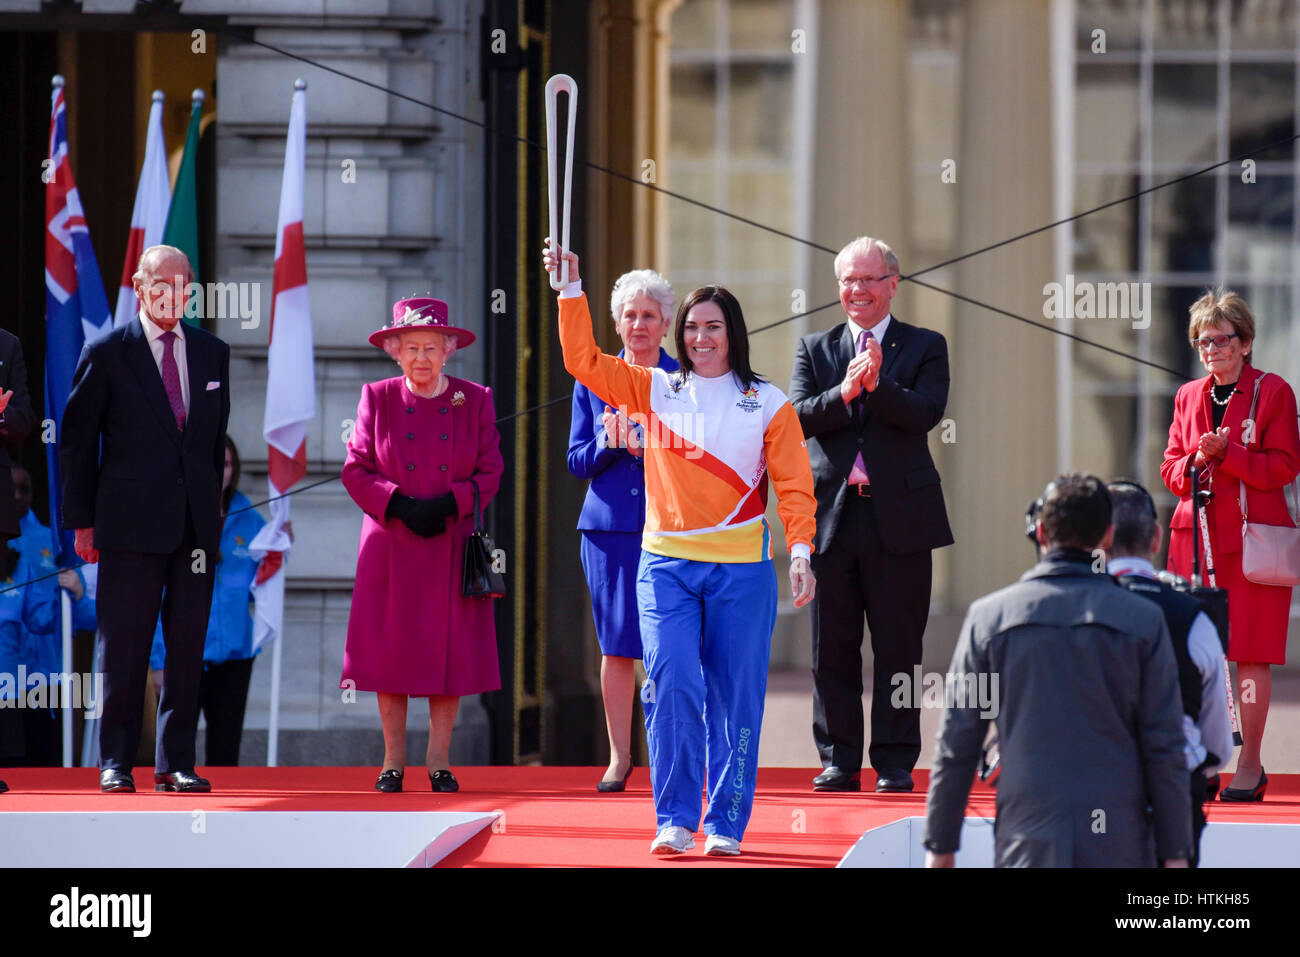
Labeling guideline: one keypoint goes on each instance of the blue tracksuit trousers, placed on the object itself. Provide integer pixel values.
(706, 633)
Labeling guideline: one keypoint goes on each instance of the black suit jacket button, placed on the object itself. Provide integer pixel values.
(180, 481)
(442, 468)
(410, 466)
(859, 441)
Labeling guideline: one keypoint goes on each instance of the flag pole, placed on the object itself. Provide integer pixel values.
(76, 308)
(273, 724)
(153, 197)
(65, 602)
(275, 426)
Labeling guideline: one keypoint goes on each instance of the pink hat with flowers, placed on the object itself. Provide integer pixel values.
(421, 314)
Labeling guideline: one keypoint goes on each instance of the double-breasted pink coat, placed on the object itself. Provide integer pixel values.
(410, 630)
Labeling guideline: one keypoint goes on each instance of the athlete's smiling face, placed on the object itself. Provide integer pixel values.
(705, 334)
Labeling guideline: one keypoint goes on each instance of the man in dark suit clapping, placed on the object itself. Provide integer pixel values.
(142, 454)
(868, 392)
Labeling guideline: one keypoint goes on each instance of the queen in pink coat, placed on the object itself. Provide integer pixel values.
(421, 442)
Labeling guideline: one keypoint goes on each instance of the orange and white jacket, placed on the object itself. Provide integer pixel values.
(710, 446)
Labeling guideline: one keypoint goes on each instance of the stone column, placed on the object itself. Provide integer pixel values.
(1003, 370)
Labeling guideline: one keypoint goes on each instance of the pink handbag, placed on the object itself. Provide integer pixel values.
(1270, 554)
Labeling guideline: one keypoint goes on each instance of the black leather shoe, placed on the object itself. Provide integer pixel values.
(1244, 794)
(183, 781)
(443, 782)
(835, 779)
(115, 779)
(390, 781)
(613, 787)
(894, 779)
(3, 787)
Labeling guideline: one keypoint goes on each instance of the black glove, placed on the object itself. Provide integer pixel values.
(399, 506)
(403, 507)
(444, 506)
(426, 517)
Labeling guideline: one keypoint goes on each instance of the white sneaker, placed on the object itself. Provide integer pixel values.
(718, 845)
(672, 840)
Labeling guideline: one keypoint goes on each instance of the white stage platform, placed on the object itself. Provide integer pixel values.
(1224, 844)
(196, 838)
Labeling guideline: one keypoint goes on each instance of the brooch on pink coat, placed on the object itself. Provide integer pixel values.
(458, 398)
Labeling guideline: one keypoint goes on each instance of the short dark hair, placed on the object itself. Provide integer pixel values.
(737, 336)
(1076, 511)
(1133, 513)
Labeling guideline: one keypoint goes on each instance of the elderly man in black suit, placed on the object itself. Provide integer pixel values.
(16, 421)
(142, 454)
(868, 392)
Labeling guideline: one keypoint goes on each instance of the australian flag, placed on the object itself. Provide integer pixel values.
(76, 308)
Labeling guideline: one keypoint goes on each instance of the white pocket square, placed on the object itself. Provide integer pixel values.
(213, 385)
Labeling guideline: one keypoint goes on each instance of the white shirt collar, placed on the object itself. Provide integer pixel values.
(877, 331)
(1130, 565)
(154, 332)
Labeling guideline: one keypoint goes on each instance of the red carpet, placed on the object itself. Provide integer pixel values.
(554, 816)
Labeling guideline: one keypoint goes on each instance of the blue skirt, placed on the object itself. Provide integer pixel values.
(610, 561)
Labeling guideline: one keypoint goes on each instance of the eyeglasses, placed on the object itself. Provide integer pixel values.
(1219, 342)
(849, 281)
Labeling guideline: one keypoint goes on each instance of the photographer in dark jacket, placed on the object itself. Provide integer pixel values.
(1087, 709)
(1202, 679)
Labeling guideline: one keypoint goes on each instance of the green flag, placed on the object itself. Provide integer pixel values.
(182, 229)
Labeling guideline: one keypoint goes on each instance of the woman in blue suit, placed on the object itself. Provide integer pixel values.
(228, 649)
(606, 448)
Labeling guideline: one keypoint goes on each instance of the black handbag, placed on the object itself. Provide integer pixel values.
(479, 579)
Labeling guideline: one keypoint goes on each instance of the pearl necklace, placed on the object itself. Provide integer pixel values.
(439, 388)
(1215, 399)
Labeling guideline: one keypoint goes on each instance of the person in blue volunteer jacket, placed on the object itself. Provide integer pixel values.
(11, 640)
(606, 448)
(41, 649)
(228, 649)
(23, 607)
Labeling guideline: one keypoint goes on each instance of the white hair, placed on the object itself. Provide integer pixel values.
(149, 261)
(641, 282)
(393, 342)
(864, 244)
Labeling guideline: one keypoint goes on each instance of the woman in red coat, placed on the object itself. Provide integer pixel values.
(421, 442)
(1210, 431)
